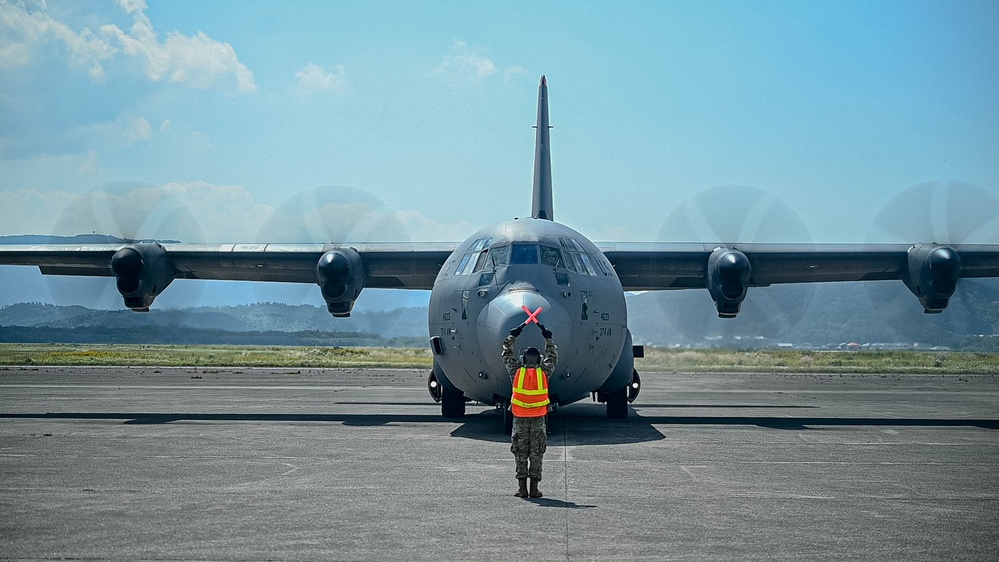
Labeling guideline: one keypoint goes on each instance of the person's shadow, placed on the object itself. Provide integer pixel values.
(551, 502)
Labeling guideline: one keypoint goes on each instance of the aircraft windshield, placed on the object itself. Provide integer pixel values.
(524, 254)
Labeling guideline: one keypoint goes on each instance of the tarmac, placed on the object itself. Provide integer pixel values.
(311, 464)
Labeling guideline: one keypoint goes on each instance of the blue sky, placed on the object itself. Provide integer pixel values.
(223, 112)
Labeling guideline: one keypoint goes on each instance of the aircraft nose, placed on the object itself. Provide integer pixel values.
(511, 309)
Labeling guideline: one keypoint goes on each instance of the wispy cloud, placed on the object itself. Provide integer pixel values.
(136, 129)
(28, 28)
(464, 62)
(513, 72)
(196, 61)
(314, 79)
(204, 212)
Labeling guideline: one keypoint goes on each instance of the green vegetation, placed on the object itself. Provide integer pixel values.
(212, 356)
(656, 359)
(797, 361)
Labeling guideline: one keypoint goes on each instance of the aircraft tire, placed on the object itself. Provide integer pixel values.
(507, 421)
(617, 404)
(453, 403)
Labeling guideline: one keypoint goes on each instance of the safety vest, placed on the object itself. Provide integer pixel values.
(530, 393)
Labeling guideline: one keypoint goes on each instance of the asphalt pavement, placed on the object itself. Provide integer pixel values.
(328, 464)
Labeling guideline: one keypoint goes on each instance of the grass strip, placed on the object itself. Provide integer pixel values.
(656, 359)
(212, 356)
(804, 361)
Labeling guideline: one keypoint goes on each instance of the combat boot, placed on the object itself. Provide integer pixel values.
(535, 492)
(522, 491)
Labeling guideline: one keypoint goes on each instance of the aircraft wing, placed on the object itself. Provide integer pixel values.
(930, 271)
(145, 269)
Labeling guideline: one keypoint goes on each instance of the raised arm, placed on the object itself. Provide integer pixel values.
(509, 358)
(550, 359)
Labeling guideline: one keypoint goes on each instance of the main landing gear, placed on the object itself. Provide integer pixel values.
(452, 401)
(618, 400)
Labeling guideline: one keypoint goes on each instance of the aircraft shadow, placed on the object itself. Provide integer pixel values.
(576, 426)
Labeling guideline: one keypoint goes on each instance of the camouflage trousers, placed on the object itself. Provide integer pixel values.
(530, 440)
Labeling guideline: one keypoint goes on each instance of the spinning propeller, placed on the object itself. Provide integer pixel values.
(940, 212)
(728, 215)
(130, 212)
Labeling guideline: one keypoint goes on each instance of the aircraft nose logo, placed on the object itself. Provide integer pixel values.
(531, 316)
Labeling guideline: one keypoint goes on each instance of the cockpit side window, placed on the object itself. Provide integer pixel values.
(461, 265)
(480, 244)
(569, 244)
(524, 254)
(481, 261)
(603, 264)
(551, 256)
(570, 264)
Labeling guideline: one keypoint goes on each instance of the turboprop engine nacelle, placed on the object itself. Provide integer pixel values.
(931, 274)
(340, 274)
(728, 280)
(142, 272)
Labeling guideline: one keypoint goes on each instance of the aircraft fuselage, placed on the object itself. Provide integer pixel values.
(501, 276)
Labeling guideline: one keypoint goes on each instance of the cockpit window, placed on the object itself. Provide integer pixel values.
(524, 254)
(460, 270)
(569, 244)
(551, 256)
(602, 264)
(481, 261)
(480, 244)
(500, 255)
(570, 264)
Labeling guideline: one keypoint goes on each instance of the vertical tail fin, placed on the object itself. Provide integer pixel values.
(542, 204)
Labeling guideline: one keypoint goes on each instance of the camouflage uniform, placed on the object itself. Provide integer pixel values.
(530, 435)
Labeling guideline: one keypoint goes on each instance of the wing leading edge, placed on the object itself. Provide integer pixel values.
(930, 271)
(143, 270)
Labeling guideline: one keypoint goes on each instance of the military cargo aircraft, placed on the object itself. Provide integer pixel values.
(528, 270)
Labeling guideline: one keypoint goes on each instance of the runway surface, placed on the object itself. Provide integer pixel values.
(279, 464)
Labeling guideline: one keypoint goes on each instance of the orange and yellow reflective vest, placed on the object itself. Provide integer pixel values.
(530, 393)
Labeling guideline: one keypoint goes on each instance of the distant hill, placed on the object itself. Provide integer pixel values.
(408, 322)
(818, 316)
(74, 240)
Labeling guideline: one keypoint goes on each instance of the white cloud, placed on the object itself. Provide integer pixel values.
(314, 79)
(190, 212)
(84, 47)
(91, 165)
(197, 61)
(136, 129)
(513, 72)
(465, 63)
(422, 228)
(203, 212)
(132, 6)
(14, 55)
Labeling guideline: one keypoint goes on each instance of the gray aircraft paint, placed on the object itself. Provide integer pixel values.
(542, 207)
(472, 311)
